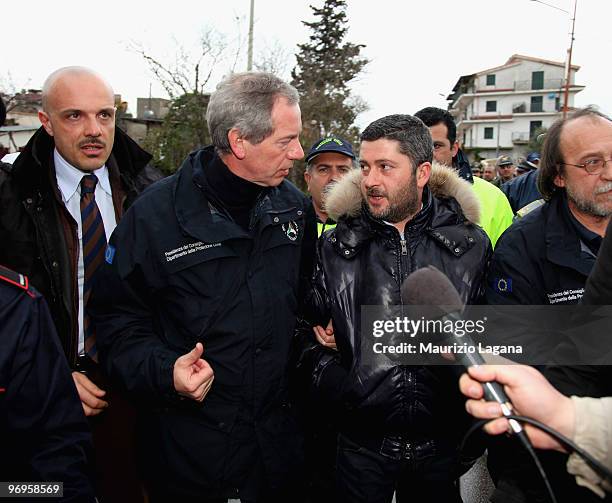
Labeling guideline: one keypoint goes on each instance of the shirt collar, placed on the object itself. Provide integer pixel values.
(587, 236)
(69, 178)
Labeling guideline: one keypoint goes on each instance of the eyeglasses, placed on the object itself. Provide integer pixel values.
(592, 166)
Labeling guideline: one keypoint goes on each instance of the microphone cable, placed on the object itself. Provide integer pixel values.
(571, 446)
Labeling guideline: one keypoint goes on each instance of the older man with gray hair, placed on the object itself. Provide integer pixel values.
(198, 298)
(550, 251)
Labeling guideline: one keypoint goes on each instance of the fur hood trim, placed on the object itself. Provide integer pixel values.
(344, 198)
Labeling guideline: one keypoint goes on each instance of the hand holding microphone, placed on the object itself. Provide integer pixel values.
(531, 394)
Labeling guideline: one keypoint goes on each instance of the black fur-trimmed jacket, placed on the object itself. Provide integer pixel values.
(363, 261)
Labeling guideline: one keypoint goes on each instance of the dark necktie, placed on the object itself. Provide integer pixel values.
(94, 246)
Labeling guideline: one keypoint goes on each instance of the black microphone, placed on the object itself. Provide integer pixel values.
(430, 288)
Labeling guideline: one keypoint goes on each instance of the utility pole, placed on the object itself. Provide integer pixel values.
(250, 53)
(569, 63)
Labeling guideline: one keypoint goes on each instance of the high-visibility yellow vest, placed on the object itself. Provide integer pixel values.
(321, 226)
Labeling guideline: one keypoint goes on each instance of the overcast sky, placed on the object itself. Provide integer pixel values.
(418, 49)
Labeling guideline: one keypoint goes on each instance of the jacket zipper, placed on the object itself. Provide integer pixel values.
(407, 375)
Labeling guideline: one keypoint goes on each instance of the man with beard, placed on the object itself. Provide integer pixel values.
(202, 283)
(553, 248)
(394, 216)
(548, 253)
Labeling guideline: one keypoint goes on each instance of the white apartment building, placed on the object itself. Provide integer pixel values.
(497, 110)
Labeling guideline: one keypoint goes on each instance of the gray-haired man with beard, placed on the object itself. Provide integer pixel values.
(549, 253)
(394, 216)
(553, 248)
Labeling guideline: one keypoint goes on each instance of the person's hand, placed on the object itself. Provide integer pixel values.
(531, 395)
(325, 337)
(90, 395)
(193, 376)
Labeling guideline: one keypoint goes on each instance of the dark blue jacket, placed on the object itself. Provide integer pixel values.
(538, 258)
(180, 271)
(43, 432)
(522, 190)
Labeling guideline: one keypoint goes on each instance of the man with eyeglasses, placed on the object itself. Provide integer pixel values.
(553, 248)
(546, 256)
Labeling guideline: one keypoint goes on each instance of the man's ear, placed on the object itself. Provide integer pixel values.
(307, 178)
(455, 148)
(422, 173)
(237, 143)
(45, 120)
(559, 181)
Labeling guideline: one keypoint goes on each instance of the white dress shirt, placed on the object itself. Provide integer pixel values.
(69, 182)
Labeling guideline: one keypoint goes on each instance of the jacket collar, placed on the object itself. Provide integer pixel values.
(414, 226)
(461, 164)
(345, 199)
(195, 213)
(440, 217)
(69, 178)
(200, 215)
(37, 154)
(563, 245)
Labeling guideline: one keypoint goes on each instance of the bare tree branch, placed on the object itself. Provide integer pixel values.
(274, 58)
(10, 91)
(166, 76)
(191, 70)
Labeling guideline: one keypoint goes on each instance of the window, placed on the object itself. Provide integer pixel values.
(537, 80)
(537, 103)
(533, 127)
(488, 133)
(491, 79)
(491, 106)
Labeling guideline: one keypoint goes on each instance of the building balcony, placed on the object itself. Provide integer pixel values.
(528, 85)
(523, 87)
(520, 138)
(491, 117)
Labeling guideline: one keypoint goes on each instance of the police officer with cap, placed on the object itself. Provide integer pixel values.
(505, 169)
(327, 161)
(43, 432)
